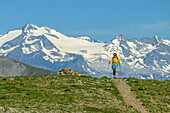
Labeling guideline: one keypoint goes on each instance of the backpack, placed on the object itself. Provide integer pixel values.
(113, 58)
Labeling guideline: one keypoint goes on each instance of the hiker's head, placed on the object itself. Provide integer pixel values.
(115, 54)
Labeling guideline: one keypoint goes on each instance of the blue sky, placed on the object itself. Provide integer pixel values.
(98, 19)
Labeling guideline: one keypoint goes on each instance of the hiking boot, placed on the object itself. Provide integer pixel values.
(115, 78)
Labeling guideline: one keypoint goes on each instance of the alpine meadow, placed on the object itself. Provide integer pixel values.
(84, 56)
(27, 88)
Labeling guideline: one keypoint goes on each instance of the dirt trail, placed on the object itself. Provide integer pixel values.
(128, 96)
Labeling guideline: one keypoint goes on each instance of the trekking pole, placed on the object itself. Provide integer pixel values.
(108, 67)
(119, 67)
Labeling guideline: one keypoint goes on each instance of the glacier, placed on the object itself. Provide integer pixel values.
(147, 58)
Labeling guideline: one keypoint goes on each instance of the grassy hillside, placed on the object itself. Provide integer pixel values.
(74, 94)
(155, 95)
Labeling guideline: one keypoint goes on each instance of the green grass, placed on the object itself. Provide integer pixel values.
(155, 95)
(61, 93)
(79, 94)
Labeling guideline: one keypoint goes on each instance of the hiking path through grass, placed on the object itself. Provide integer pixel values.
(128, 96)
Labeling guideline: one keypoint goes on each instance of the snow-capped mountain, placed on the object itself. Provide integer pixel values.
(46, 48)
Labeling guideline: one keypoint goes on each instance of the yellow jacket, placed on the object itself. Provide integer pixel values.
(114, 61)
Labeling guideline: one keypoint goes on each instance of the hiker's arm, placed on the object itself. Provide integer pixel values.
(110, 61)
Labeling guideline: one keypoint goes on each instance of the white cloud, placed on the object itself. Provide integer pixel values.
(159, 26)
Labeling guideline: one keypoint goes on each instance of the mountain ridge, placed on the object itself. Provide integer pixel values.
(10, 67)
(44, 47)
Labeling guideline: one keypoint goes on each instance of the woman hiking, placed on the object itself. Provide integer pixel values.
(114, 62)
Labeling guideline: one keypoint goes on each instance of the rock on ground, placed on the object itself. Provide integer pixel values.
(69, 71)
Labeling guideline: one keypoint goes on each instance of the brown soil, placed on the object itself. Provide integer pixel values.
(128, 96)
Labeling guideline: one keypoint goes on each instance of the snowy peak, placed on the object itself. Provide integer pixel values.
(84, 38)
(151, 40)
(47, 48)
(29, 27)
(34, 30)
(121, 38)
(89, 39)
(158, 39)
(45, 27)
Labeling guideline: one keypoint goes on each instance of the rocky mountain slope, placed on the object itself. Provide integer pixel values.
(44, 47)
(10, 67)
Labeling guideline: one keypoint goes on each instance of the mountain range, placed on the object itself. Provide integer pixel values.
(43, 47)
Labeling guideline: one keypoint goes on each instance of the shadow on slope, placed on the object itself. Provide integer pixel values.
(10, 67)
